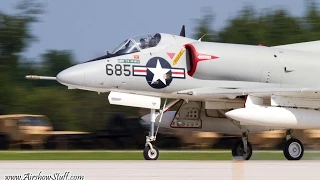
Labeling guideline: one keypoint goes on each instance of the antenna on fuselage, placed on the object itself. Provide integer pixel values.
(183, 31)
(204, 36)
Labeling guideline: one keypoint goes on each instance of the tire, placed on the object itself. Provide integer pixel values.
(238, 152)
(293, 149)
(148, 154)
(50, 143)
(4, 142)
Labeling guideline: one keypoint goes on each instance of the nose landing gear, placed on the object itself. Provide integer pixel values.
(151, 152)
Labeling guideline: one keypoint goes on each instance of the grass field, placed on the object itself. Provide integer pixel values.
(137, 155)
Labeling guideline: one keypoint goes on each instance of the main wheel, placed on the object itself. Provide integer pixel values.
(239, 153)
(293, 149)
(151, 154)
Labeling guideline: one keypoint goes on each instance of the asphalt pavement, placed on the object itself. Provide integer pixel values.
(159, 170)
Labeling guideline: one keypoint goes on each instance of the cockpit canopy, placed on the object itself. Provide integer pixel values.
(138, 43)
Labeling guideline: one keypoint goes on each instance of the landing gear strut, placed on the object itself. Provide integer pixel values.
(242, 150)
(150, 151)
(293, 148)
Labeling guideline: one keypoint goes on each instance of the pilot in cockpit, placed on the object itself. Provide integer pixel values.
(157, 37)
(143, 43)
(154, 40)
(150, 41)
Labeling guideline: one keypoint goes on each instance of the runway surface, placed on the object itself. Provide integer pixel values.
(159, 170)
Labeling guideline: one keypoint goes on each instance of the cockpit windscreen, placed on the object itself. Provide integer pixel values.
(132, 45)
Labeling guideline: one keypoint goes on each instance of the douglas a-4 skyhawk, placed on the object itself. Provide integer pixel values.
(216, 87)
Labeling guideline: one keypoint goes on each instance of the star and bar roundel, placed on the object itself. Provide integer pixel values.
(158, 72)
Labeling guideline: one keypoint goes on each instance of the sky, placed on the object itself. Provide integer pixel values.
(90, 27)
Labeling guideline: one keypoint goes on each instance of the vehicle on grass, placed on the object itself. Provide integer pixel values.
(29, 131)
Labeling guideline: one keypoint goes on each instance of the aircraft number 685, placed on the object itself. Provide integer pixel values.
(118, 69)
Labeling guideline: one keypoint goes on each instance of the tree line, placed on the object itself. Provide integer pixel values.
(83, 110)
(269, 27)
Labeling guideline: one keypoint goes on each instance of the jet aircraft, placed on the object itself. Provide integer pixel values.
(214, 87)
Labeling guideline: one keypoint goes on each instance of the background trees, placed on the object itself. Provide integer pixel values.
(269, 27)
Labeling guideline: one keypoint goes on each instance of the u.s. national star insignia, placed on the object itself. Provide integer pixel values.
(158, 72)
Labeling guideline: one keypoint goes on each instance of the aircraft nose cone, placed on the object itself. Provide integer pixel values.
(72, 76)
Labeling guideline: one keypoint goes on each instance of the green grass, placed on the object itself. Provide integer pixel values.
(137, 155)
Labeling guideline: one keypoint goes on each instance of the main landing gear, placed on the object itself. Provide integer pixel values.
(293, 149)
(242, 150)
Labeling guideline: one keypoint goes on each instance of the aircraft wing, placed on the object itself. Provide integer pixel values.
(211, 93)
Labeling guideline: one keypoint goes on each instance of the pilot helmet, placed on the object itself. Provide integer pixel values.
(143, 43)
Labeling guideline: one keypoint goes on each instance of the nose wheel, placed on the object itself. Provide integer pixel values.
(151, 153)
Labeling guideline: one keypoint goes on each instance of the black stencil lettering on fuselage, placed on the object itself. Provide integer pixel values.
(118, 70)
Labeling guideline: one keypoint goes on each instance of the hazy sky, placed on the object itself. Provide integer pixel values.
(89, 27)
